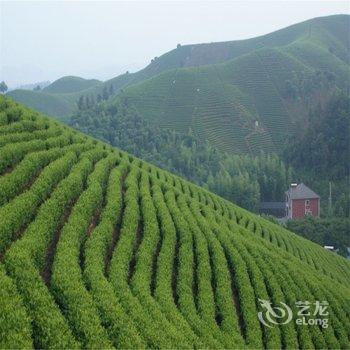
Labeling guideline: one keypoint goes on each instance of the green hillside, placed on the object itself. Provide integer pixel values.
(330, 32)
(99, 250)
(236, 106)
(242, 105)
(316, 44)
(50, 104)
(70, 84)
(58, 99)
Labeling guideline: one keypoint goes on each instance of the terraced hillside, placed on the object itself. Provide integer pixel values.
(241, 105)
(316, 44)
(99, 250)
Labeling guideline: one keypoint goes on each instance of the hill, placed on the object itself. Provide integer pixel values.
(70, 84)
(49, 104)
(316, 154)
(99, 249)
(330, 32)
(243, 179)
(32, 86)
(321, 153)
(57, 99)
(246, 105)
(316, 44)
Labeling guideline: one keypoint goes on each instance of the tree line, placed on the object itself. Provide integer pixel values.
(320, 153)
(88, 101)
(243, 179)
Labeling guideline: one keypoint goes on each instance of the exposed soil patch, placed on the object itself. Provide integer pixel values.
(50, 254)
(175, 270)
(235, 297)
(139, 235)
(154, 265)
(7, 170)
(116, 231)
(195, 280)
(94, 222)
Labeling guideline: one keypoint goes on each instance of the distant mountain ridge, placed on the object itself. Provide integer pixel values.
(244, 104)
(233, 93)
(328, 30)
(41, 84)
(70, 84)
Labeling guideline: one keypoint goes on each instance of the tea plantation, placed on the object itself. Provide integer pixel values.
(101, 250)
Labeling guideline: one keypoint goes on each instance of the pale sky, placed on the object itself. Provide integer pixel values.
(44, 40)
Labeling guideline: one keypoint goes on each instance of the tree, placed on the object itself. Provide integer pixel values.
(105, 93)
(242, 179)
(3, 87)
(92, 101)
(87, 102)
(81, 103)
(111, 90)
(37, 88)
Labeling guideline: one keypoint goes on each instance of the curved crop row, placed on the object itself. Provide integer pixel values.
(101, 250)
(20, 211)
(25, 261)
(120, 328)
(67, 282)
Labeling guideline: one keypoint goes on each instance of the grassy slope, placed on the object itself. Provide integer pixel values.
(49, 104)
(58, 99)
(326, 32)
(182, 268)
(221, 102)
(70, 84)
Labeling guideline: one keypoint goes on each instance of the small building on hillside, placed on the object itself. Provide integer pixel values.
(331, 248)
(276, 209)
(301, 201)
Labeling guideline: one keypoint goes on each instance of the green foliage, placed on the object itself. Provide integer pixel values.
(120, 328)
(237, 95)
(20, 211)
(321, 153)
(248, 102)
(324, 231)
(245, 180)
(66, 281)
(50, 104)
(3, 87)
(15, 329)
(102, 250)
(70, 84)
(52, 329)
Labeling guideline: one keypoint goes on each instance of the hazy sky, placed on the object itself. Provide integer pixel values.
(44, 40)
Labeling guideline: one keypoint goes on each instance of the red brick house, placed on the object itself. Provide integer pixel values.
(301, 201)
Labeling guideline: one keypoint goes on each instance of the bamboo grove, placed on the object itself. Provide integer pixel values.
(101, 250)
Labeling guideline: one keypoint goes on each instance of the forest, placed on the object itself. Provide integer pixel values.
(317, 155)
(325, 231)
(320, 153)
(243, 179)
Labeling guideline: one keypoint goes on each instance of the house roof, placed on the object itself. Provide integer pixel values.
(272, 205)
(301, 191)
